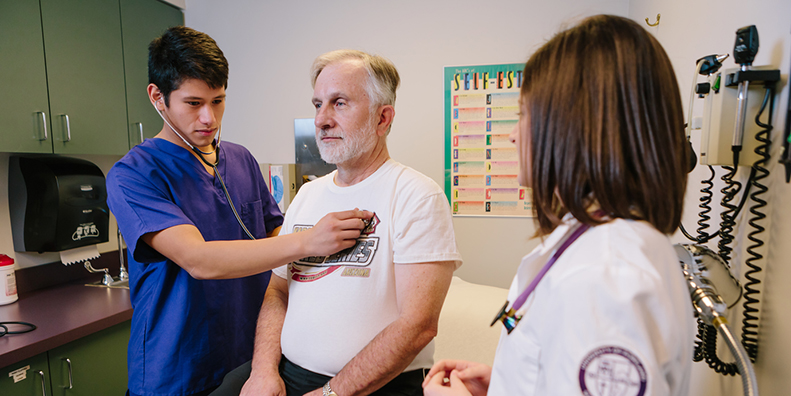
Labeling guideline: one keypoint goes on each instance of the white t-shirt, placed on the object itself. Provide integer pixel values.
(612, 316)
(338, 304)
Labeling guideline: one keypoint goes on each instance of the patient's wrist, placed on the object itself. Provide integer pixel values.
(327, 389)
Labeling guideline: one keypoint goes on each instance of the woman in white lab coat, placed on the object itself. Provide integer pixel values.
(600, 307)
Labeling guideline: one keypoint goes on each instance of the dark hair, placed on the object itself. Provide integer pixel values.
(183, 53)
(606, 126)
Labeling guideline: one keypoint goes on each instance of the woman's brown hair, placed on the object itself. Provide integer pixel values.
(606, 126)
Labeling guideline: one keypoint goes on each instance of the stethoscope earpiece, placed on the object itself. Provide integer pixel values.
(193, 148)
(200, 155)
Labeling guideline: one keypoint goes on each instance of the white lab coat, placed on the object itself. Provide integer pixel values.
(613, 316)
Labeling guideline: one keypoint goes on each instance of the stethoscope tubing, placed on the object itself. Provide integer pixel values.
(511, 316)
(228, 196)
(201, 155)
(4, 328)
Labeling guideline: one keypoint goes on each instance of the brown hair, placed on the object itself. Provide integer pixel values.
(606, 126)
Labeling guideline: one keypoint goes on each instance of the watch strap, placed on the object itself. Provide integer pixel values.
(327, 390)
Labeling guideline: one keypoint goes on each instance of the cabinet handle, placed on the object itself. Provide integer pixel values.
(68, 128)
(71, 378)
(43, 386)
(140, 128)
(44, 123)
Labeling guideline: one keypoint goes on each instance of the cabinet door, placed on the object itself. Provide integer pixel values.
(31, 378)
(85, 75)
(24, 110)
(98, 364)
(143, 21)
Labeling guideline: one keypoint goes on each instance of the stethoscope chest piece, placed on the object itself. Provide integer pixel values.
(508, 317)
(511, 316)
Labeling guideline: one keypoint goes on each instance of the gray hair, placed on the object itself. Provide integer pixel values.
(383, 79)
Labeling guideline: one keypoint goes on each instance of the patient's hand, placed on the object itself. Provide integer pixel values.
(269, 385)
(457, 377)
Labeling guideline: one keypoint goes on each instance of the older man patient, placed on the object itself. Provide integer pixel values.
(361, 321)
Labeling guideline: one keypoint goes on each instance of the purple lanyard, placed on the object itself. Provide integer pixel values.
(508, 316)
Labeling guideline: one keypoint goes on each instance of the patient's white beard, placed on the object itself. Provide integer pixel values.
(349, 147)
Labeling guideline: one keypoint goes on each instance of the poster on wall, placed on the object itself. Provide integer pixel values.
(481, 163)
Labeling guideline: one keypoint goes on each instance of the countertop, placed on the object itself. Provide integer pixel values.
(62, 313)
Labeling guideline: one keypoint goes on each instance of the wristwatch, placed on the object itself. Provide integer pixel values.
(327, 390)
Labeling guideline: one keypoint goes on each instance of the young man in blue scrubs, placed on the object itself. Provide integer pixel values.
(197, 280)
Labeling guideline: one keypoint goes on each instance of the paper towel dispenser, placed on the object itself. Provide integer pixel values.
(56, 203)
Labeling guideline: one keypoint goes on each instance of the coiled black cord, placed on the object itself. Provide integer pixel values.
(703, 238)
(750, 319)
(706, 346)
(728, 216)
(706, 349)
(700, 353)
(705, 200)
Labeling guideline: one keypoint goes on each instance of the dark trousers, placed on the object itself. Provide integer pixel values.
(299, 381)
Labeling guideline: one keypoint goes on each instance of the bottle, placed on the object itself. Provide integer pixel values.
(7, 280)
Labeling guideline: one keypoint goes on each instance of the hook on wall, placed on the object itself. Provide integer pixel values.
(655, 23)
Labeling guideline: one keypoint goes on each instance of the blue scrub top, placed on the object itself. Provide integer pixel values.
(188, 333)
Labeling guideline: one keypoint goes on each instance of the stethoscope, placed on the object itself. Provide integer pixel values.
(5, 330)
(511, 316)
(201, 155)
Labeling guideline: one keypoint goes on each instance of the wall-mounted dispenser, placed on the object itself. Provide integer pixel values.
(56, 203)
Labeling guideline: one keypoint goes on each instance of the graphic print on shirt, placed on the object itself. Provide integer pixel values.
(359, 256)
(612, 371)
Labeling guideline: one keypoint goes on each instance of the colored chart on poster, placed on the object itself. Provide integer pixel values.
(481, 163)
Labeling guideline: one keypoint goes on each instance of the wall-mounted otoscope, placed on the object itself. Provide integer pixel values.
(704, 270)
(744, 50)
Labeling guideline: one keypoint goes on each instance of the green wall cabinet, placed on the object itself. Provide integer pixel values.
(24, 104)
(141, 22)
(96, 365)
(85, 76)
(74, 74)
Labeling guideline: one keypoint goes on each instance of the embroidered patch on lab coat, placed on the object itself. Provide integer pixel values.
(612, 370)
